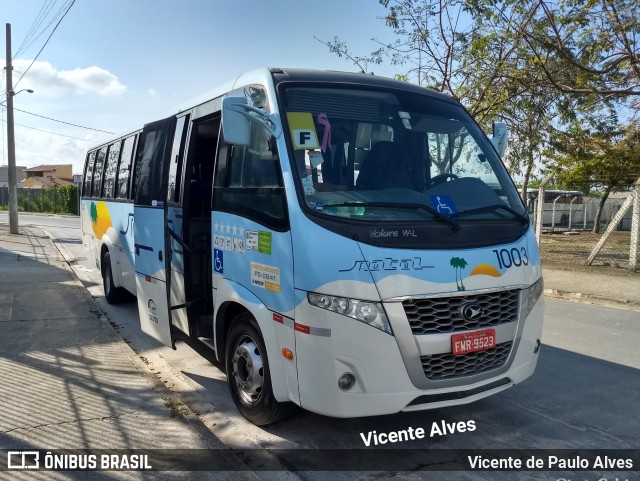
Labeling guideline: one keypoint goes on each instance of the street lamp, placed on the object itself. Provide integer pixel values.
(23, 90)
(13, 94)
(11, 148)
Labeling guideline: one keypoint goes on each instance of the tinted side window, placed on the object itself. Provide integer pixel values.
(110, 170)
(177, 154)
(152, 162)
(97, 172)
(248, 181)
(124, 168)
(88, 174)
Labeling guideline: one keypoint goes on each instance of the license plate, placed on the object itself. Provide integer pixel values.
(473, 341)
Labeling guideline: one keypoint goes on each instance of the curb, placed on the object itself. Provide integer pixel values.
(593, 299)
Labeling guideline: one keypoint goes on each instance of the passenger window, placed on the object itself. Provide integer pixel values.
(248, 180)
(97, 173)
(175, 166)
(88, 174)
(124, 168)
(110, 170)
(152, 163)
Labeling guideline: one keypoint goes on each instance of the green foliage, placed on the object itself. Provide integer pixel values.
(545, 68)
(608, 160)
(52, 200)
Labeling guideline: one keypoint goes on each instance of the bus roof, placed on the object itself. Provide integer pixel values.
(351, 78)
(280, 75)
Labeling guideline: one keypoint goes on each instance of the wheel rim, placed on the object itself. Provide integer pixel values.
(248, 370)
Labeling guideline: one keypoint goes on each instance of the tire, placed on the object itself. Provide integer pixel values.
(248, 374)
(113, 294)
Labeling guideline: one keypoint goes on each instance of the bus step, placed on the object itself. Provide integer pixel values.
(208, 341)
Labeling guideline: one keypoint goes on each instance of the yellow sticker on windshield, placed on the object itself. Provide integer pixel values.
(303, 130)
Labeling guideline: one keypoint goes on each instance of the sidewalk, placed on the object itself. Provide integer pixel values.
(609, 287)
(68, 380)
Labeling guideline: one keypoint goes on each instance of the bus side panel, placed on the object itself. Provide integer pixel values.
(110, 223)
(88, 236)
(253, 265)
(151, 284)
(256, 257)
(276, 335)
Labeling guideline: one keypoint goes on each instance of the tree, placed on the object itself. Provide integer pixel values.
(445, 51)
(485, 68)
(583, 48)
(549, 70)
(602, 161)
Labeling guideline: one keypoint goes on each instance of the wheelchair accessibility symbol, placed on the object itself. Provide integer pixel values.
(218, 262)
(444, 205)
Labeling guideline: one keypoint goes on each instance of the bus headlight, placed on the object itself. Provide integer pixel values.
(530, 296)
(371, 313)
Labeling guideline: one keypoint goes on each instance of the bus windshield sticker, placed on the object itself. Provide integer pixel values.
(303, 130)
(315, 158)
(444, 205)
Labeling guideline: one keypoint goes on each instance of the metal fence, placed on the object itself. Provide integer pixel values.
(50, 200)
(565, 236)
(578, 212)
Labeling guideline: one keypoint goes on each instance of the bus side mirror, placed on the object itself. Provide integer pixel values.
(237, 116)
(236, 127)
(500, 137)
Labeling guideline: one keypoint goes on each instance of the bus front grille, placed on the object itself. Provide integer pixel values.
(445, 366)
(444, 314)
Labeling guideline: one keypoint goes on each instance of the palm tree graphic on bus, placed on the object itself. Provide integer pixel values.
(458, 263)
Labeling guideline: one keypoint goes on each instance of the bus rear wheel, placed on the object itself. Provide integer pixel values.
(248, 374)
(113, 294)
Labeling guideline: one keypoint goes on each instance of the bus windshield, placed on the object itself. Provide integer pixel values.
(389, 155)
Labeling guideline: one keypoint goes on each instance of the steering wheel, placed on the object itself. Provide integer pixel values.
(439, 179)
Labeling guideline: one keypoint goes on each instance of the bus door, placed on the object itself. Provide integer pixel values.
(152, 257)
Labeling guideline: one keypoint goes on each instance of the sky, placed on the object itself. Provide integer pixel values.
(118, 64)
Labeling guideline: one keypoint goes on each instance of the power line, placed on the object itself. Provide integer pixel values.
(63, 122)
(42, 14)
(45, 44)
(46, 27)
(47, 131)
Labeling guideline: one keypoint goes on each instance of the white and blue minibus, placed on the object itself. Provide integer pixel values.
(345, 243)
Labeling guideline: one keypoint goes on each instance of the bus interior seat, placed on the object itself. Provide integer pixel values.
(386, 166)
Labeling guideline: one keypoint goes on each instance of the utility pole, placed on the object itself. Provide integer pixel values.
(11, 143)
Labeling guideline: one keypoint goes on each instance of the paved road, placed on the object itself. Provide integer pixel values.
(583, 395)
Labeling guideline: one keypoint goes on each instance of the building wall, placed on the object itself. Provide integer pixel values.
(20, 173)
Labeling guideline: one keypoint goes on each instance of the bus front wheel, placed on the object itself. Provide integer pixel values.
(248, 374)
(113, 294)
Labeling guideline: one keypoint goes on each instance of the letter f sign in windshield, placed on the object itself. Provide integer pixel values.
(305, 139)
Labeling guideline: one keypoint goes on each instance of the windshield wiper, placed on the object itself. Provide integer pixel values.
(393, 205)
(490, 208)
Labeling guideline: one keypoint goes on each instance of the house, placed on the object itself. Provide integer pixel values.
(4, 174)
(48, 176)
